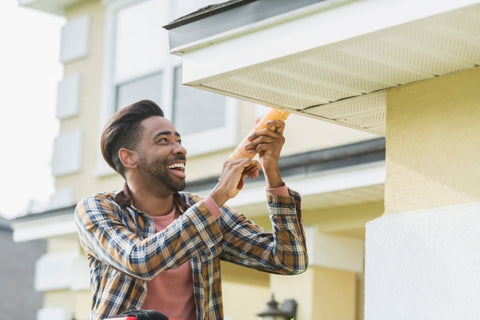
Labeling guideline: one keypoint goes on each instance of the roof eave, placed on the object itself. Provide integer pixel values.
(335, 60)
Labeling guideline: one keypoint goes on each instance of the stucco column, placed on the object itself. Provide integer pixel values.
(423, 255)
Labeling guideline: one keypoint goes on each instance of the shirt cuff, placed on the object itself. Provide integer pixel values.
(279, 191)
(212, 206)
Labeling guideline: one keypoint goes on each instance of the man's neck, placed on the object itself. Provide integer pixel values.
(151, 199)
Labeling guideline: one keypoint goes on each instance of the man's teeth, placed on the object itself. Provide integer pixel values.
(176, 166)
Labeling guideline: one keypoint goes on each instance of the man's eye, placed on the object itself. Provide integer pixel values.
(162, 140)
(179, 141)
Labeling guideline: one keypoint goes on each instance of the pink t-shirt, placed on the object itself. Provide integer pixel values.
(171, 292)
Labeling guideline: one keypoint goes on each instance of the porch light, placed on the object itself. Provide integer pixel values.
(287, 310)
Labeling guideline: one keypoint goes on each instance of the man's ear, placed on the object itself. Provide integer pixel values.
(129, 158)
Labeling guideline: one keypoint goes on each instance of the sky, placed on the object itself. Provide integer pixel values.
(29, 73)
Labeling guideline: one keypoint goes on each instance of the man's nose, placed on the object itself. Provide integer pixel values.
(180, 149)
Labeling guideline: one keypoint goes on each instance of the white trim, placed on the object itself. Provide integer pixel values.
(75, 39)
(329, 181)
(43, 228)
(67, 153)
(52, 313)
(68, 96)
(222, 53)
(54, 271)
(62, 270)
(256, 26)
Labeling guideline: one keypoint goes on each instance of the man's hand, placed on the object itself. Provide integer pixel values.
(231, 178)
(268, 144)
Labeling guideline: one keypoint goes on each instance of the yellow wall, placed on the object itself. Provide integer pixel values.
(245, 291)
(343, 220)
(60, 298)
(83, 301)
(433, 144)
(321, 293)
(90, 69)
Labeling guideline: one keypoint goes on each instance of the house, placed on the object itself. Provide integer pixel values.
(381, 141)
(18, 299)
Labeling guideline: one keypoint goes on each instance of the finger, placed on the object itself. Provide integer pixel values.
(263, 136)
(250, 167)
(273, 132)
(247, 166)
(255, 173)
(276, 125)
(241, 181)
(253, 145)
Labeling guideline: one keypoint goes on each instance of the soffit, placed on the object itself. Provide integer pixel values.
(344, 82)
(52, 6)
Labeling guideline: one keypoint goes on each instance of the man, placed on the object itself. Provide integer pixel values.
(153, 247)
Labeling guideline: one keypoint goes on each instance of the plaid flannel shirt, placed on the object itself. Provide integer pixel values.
(124, 251)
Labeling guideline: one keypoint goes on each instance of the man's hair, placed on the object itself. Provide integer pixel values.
(124, 130)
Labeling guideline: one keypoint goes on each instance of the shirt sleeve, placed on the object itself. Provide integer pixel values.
(212, 206)
(105, 231)
(279, 191)
(281, 251)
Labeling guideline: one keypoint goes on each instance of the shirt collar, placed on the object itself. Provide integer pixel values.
(124, 197)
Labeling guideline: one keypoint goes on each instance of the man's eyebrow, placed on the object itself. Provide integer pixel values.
(166, 133)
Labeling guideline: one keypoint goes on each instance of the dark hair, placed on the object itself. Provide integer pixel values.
(123, 130)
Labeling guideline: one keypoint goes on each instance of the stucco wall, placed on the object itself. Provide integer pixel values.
(433, 145)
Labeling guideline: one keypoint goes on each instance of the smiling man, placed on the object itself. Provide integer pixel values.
(152, 246)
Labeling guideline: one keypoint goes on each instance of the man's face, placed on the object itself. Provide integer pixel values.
(161, 155)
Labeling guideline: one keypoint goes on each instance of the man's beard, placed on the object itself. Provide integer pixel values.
(158, 169)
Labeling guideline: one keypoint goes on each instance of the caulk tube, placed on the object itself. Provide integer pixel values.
(272, 114)
(241, 152)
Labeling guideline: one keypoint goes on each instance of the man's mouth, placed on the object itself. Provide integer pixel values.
(178, 168)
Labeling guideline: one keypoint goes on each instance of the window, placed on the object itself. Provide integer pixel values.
(190, 105)
(147, 87)
(141, 67)
(139, 54)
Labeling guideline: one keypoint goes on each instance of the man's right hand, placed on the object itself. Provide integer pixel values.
(231, 179)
